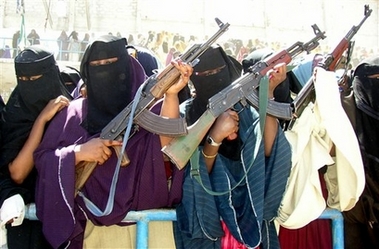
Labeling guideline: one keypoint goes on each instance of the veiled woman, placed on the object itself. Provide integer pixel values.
(39, 94)
(112, 78)
(233, 160)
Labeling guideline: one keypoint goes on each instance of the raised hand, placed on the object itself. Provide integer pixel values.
(185, 73)
(276, 76)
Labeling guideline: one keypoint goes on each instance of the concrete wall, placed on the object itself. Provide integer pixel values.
(266, 19)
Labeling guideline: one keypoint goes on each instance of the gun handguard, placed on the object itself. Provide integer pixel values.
(243, 89)
(155, 88)
(329, 63)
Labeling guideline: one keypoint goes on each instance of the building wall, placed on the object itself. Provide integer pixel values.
(267, 19)
(286, 21)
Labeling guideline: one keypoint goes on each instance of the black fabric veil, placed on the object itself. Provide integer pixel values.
(366, 92)
(215, 71)
(108, 85)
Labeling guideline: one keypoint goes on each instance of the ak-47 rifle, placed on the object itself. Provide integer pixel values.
(329, 63)
(242, 90)
(154, 89)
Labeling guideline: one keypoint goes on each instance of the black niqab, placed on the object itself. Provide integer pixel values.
(71, 77)
(35, 94)
(108, 86)
(214, 72)
(366, 92)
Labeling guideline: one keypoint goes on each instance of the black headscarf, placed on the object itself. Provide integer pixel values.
(213, 73)
(366, 92)
(71, 77)
(34, 95)
(108, 86)
(361, 222)
(2, 104)
(147, 58)
(26, 102)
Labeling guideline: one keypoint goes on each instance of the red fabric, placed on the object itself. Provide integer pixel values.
(229, 242)
(316, 235)
(168, 168)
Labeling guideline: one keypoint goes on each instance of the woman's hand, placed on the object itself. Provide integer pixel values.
(54, 106)
(185, 73)
(276, 76)
(170, 105)
(226, 126)
(95, 150)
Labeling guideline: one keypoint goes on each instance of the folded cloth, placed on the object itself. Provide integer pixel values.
(12, 208)
(321, 125)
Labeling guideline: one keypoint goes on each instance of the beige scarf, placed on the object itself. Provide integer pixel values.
(321, 125)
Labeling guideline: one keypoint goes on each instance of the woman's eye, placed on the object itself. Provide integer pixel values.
(35, 77)
(31, 78)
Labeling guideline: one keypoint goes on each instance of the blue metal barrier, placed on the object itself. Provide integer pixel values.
(142, 219)
(337, 226)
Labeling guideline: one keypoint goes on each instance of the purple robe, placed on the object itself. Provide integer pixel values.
(141, 185)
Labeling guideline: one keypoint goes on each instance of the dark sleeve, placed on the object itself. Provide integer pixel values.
(348, 104)
(8, 188)
(2, 104)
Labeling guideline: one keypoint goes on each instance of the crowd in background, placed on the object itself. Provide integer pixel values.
(166, 45)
